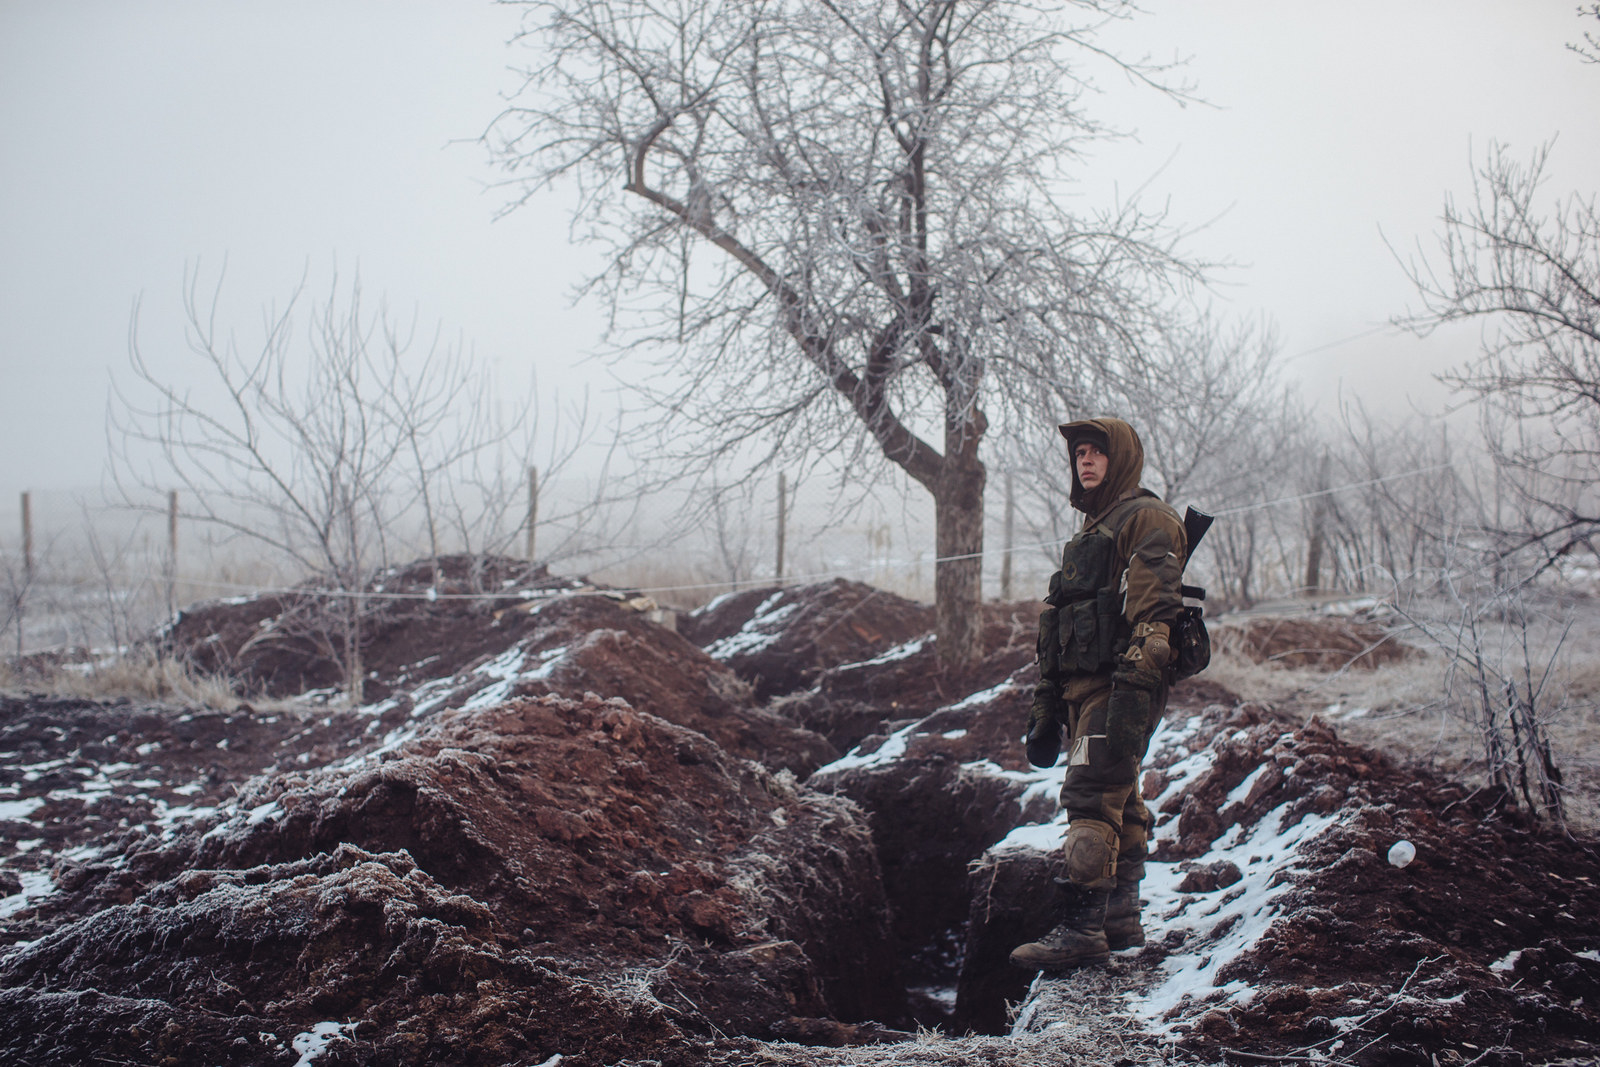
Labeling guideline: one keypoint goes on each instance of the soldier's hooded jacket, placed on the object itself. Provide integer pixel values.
(1124, 567)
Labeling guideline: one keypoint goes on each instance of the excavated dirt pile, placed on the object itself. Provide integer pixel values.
(528, 634)
(1287, 921)
(545, 876)
(1325, 643)
(557, 828)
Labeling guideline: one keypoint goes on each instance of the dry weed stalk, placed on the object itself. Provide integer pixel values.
(1500, 683)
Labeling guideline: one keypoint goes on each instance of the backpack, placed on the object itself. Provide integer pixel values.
(1191, 643)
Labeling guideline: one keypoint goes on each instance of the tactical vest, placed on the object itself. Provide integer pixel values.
(1083, 629)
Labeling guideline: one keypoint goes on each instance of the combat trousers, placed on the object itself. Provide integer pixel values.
(1100, 789)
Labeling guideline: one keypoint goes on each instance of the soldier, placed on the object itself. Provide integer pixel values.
(1105, 644)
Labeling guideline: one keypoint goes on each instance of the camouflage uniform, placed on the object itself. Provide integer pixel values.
(1104, 653)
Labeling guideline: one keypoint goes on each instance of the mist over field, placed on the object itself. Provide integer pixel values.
(524, 530)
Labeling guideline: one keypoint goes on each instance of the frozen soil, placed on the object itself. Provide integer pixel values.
(778, 835)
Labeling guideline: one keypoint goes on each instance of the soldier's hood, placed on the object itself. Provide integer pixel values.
(1126, 455)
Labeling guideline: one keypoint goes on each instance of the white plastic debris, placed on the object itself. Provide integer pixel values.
(1402, 852)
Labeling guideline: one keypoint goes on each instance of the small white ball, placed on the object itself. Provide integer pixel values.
(1402, 853)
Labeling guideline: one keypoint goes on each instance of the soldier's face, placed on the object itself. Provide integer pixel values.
(1091, 464)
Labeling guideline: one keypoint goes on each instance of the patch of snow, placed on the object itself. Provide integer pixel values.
(1343, 714)
(507, 672)
(953, 735)
(983, 696)
(262, 812)
(1188, 769)
(898, 652)
(1038, 837)
(148, 747)
(1262, 853)
(1509, 961)
(1587, 954)
(20, 809)
(1351, 607)
(35, 884)
(1242, 790)
(759, 631)
(945, 995)
(82, 853)
(892, 749)
(714, 603)
(168, 817)
(314, 1042)
(1038, 782)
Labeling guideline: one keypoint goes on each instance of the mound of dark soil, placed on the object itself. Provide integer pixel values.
(852, 700)
(1279, 928)
(543, 837)
(781, 639)
(545, 876)
(74, 770)
(277, 645)
(590, 641)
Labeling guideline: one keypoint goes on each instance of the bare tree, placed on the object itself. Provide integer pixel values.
(890, 267)
(1532, 275)
(1589, 50)
(318, 445)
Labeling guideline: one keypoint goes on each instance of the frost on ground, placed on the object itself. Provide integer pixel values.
(817, 850)
(1275, 922)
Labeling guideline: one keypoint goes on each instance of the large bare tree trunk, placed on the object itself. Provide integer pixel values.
(958, 577)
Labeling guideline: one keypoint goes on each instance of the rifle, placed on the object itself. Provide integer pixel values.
(1195, 525)
(1190, 641)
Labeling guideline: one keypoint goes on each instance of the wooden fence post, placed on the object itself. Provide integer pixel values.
(533, 508)
(1010, 539)
(783, 511)
(1319, 516)
(172, 552)
(27, 536)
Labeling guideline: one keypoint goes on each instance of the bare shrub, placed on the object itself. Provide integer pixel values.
(1503, 650)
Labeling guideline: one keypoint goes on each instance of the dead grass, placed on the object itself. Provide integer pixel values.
(1401, 709)
(138, 675)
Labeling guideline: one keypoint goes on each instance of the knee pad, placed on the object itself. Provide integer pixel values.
(1090, 853)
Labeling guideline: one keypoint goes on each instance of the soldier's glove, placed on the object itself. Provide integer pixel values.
(1044, 725)
(1128, 712)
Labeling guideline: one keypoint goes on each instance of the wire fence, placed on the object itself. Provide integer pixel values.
(80, 571)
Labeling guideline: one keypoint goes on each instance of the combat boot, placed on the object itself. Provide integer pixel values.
(1122, 908)
(1078, 940)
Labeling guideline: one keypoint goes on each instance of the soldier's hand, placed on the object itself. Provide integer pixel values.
(1151, 647)
(1043, 741)
(1128, 722)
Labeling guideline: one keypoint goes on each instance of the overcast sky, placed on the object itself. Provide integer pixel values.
(139, 138)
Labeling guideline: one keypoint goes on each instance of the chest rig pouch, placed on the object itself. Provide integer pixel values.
(1078, 631)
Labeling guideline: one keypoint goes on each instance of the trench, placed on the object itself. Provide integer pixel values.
(930, 822)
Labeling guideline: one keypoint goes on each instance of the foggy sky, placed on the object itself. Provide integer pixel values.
(142, 138)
